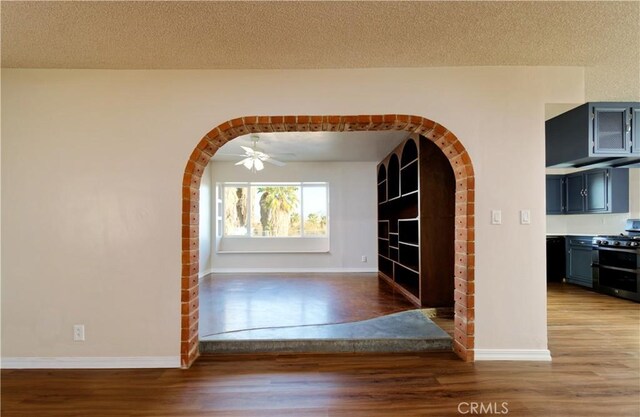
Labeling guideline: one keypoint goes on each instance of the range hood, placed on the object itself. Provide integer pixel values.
(595, 135)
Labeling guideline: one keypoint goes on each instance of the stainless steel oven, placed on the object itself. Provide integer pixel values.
(616, 263)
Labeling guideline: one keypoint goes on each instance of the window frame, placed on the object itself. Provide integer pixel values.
(249, 185)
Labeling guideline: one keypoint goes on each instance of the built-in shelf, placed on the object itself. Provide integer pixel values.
(383, 247)
(409, 152)
(385, 265)
(416, 196)
(383, 228)
(409, 256)
(405, 165)
(407, 279)
(409, 231)
(393, 178)
(409, 193)
(409, 178)
(415, 245)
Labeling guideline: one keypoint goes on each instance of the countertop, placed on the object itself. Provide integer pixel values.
(573, 234)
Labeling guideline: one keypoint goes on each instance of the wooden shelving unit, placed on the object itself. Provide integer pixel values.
(416, 208)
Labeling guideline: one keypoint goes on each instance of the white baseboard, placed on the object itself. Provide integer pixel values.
(290, 270)
(541, 355)
(202, 274)
(90, 362)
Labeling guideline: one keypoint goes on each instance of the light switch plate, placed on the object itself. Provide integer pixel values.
(496, 216)
(525, 216)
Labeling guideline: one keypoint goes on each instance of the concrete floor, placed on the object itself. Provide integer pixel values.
(407, 331)
(312, 313)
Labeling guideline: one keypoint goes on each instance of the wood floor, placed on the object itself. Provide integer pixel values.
(594, 340)
(255, 301)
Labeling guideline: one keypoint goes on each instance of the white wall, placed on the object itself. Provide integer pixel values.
(594, 224)
(92, 166)
(352, 217)
(207, 195)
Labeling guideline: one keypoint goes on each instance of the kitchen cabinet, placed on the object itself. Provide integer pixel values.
(579, 259)
(555, 194)
(574, 193)
(594, 133)
(601, 190)
(611, 129)
(556, 258)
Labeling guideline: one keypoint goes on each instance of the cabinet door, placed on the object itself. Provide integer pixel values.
(574, 191)
(555, 194)
(611, 130)
(635, 131)
(579, 269)
(597, 190)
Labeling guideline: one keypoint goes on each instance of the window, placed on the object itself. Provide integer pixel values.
(275, 209)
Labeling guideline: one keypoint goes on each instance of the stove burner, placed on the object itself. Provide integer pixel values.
(619, 240)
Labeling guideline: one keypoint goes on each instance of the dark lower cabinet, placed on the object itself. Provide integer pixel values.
(556, 258)
(579, 259)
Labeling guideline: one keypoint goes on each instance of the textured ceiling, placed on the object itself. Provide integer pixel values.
(317, 146)
(264, 34)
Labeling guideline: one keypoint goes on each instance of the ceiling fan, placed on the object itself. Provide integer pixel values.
(254, 158)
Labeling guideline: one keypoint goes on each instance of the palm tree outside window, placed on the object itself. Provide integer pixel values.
(275, 210)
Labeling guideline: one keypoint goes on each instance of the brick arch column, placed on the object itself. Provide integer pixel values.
(445, 140)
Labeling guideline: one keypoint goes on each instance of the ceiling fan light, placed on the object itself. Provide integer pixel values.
(259, 166)
(248, 163)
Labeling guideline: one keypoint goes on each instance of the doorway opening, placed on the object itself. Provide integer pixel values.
(446, 141)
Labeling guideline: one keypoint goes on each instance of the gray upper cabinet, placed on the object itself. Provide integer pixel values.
(594, 133)
(575, 193)
(611, 130)
(600, 190)
(555, 194)
(596, 193)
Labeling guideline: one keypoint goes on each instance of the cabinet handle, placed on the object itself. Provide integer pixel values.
(628, 127)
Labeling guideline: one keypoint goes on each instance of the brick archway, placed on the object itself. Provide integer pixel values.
(445, 140)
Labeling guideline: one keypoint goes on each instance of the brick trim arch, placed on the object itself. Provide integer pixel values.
(445, 140)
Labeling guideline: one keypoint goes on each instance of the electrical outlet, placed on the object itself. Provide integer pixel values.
(364, 258)
(78, 332)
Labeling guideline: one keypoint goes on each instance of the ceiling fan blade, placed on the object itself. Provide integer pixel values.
(241, 162)
(275, 162)
(248, 150)
(249, 163)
